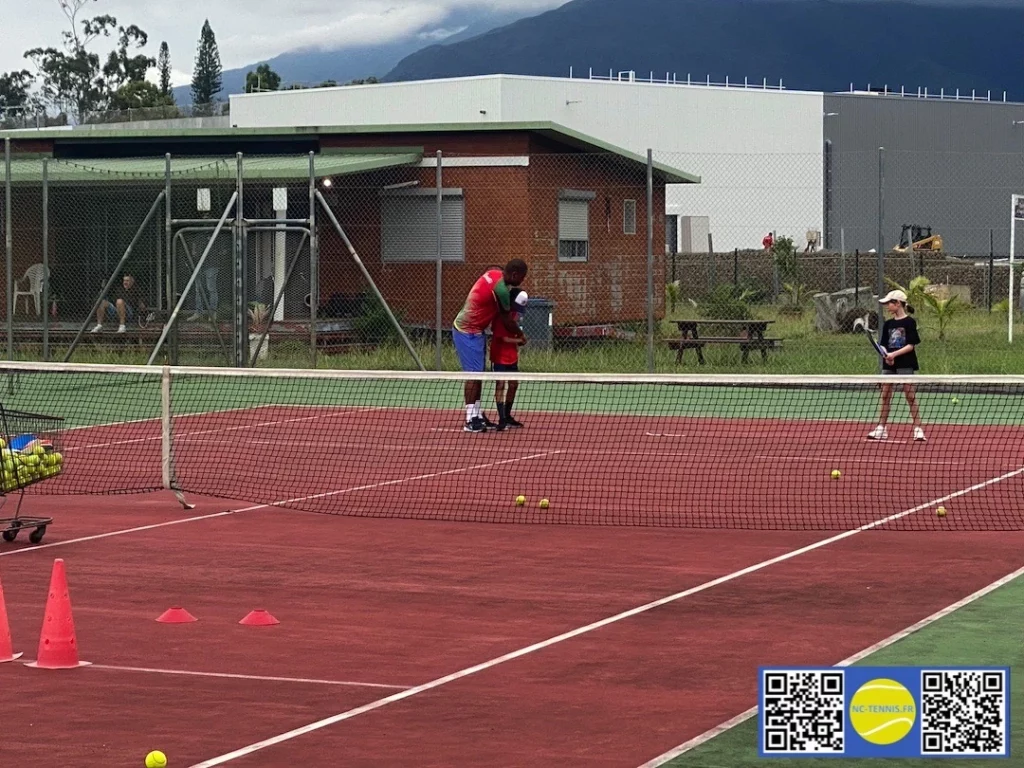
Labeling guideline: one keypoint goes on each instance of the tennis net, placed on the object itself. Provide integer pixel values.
(751, 452)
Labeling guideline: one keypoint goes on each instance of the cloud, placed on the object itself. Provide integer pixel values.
(248, 30)
(437, 35)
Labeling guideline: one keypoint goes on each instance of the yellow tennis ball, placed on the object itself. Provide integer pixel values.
(941, 511)
(955, 400)
(156, 759)
(882, 711)
(836, 474)
(544, 503)
(520, 500)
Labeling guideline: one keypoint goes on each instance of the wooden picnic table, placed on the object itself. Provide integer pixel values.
(751, 336)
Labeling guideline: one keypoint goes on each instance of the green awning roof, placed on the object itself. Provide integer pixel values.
(30, 170)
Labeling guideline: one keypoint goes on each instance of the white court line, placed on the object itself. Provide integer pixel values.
(399, 481)
(107, 535)
(731, 723)
(437, 683)
(258, 678)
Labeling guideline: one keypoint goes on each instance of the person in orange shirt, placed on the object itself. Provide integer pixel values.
(505, 358)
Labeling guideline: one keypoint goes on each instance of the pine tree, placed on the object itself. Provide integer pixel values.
(164, 65)
(206, 77)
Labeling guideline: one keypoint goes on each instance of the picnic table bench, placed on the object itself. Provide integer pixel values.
(751, 337)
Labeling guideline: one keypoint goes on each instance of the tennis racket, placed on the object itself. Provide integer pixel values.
(861, 324)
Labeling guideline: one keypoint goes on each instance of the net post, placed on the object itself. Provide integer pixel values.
(166, 471)
(314, 263)
(46, 259)
(438, 282)
(650, 260)
(369, 279)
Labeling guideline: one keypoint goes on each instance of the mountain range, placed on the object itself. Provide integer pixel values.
(822, 45)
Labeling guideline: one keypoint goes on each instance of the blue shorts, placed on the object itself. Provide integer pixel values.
(505, 367)
(471, 349)
(112, 311)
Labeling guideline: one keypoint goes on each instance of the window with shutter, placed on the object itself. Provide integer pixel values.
(408, 225)
(574, 225)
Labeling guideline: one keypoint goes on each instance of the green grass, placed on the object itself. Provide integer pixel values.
(984, 633)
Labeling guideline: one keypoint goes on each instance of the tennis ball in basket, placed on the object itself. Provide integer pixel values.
(32, 460)
(39, 450)
(544, 503)
(57, 458)
(941, 511)
(156, 759)
(520, 500)
(836, 474)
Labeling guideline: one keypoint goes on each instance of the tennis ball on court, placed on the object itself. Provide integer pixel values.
(156, 759)
(544, 503)
(836, 474)
(520, 500)
(882, 711)
(941, 511)
(955, 400)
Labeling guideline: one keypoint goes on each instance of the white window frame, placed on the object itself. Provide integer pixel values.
(582, 199)
(626, 216)
(418, 244)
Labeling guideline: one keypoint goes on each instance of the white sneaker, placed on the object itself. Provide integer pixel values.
(878, 433)
(97, 329)
(121, 329)
(919, 434)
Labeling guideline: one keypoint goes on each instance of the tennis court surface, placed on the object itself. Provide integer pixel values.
(694, 532)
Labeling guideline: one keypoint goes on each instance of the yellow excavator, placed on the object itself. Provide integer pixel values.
(921, 237)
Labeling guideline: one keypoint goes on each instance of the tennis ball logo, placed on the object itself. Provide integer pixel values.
(882, 711)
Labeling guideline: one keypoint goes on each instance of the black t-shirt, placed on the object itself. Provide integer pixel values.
(132, 296)
(896, 334)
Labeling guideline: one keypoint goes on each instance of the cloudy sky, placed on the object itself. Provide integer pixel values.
(247, 30)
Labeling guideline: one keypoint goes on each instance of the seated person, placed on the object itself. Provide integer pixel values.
(128, 304)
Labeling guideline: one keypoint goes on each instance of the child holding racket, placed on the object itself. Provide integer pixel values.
(899, 342)
(505, 358)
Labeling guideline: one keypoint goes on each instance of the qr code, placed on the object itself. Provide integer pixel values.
(802, 712)
(963, 712)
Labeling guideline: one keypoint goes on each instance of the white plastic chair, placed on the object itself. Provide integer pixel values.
(34, 278)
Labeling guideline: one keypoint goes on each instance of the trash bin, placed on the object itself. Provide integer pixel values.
(538, 322)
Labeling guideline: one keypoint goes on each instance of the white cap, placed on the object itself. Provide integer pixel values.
(899, 296)
(521, 298)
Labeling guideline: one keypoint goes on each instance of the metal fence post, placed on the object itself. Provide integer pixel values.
(650, 260)
(438, 282)
(9, 243)
(171, 279)
(880, 267)
(241, 283)
(46, 260)
(314, 261)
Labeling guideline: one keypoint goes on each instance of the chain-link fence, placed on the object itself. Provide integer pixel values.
(360, 258)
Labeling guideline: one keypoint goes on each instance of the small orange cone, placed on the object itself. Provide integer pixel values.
(58, 647)
(6, 647)
(176, 615)
(259, 618)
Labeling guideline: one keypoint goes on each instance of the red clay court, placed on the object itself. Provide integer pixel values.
(604, 640)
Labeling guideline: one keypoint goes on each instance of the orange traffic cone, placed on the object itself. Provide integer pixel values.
(6, 647)
(176, 615)
(58, 648)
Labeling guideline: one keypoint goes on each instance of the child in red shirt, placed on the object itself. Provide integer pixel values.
(505, 357)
